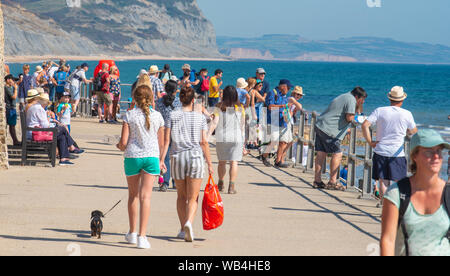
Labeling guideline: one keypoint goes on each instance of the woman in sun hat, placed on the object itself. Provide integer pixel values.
(425, 223)
(36, 117)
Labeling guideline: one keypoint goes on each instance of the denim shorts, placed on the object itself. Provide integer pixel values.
(75, 92)
(134, 166)
(11, 117)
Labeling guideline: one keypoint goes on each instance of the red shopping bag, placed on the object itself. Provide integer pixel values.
(212, 207)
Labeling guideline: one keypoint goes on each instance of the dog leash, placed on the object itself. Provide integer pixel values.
(114, 207)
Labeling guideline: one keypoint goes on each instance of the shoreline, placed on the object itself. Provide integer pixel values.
(37, 59)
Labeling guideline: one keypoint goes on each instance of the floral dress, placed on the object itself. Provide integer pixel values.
(114, 88)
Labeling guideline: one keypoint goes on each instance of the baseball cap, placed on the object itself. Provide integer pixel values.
(260, 71)
(287, 82)
(428, 138)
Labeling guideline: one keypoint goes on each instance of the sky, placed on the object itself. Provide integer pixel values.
(404, 20)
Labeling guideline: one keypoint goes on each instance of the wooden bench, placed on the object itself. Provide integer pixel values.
(32, 147)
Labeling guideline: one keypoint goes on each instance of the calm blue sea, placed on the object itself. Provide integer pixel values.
(427, 86)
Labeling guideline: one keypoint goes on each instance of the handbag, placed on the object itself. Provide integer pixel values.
(212, 207)
(42, 136)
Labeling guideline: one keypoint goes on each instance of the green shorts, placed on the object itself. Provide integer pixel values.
(134, 166)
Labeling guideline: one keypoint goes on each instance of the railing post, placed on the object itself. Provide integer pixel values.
(351, 176)
(311, 143)
(367, 178)
(407, 149)
(301, 138)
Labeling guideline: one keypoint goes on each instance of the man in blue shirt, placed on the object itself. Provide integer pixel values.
(280, 130)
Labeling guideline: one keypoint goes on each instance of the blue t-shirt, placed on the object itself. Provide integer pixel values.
(277, 98)
(242, 93)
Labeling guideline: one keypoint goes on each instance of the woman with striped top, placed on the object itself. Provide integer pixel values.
(186, 132)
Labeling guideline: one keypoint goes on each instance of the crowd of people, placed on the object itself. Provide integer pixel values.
(167, 129)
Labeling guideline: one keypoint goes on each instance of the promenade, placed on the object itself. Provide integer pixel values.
(46, 211)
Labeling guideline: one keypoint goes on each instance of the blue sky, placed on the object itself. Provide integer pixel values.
(404, 20)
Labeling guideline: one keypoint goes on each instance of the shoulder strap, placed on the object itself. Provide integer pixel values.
(404, 187)
(446, 200)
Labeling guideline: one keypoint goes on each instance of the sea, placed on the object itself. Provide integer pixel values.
(427, 86)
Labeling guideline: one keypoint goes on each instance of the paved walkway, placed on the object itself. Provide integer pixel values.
(46, 211)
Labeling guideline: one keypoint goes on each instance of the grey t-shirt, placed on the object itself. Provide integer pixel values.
(9, 94)
(186, 130)
(333, 121)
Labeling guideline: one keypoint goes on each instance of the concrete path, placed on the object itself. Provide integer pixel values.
(46, 211)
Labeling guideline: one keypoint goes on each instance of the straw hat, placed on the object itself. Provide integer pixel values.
(153, 70)
(397, 94)
(298, 90)
(32, 93)
(44, 96)
(186, 67)
(40, 90)
(39, 69)
(241, 83)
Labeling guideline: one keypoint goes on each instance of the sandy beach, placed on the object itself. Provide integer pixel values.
(35, 59)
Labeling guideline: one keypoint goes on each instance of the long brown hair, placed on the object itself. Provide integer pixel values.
(143, 97)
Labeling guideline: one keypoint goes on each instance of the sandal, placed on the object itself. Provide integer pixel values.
(335, 186)
(319, 185)
(220, 186)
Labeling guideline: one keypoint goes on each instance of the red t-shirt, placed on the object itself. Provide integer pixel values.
(105, 82)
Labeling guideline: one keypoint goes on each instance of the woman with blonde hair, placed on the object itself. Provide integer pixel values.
(415, 219)
(142, 141)
(114, 89)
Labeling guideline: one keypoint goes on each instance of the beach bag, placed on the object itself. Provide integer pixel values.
(42, 136)
(212, 207)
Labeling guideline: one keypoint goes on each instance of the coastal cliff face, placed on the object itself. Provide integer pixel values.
(170, 28)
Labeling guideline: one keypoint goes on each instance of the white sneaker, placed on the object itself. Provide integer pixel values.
(189, 237)
(181, 235)
(143, 243)
(131, 238)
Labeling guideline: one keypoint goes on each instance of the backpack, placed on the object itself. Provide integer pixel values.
(404, 187)
(204, 87)
(60, 78)
(98, 85)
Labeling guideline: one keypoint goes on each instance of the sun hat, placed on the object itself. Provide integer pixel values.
(298, 90)
(260, 71)
(143, 72)
(427, 138)
(40, 90)
(174, 78)
(39, 69)
(44, 96)
(397, 94)
(32, 93)
(241, 83)
(186, 67)
(153, 70)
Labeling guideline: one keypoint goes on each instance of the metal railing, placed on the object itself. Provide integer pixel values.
(354, 160)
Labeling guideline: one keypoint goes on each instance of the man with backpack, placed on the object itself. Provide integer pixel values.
(203, 86)
(104, 98)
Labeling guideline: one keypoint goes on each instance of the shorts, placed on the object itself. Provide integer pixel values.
(104, 98)
(75, 92)
(11, 117)
(187, 164)
(212, 102)
(327, 144)
(389, 168)
(134, 166)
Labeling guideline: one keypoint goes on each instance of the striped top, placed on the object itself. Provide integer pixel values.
(186, 130)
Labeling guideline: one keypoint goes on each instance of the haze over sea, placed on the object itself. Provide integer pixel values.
(427, 86)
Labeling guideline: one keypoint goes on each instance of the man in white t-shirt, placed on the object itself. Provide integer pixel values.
(75, 83)
(393, 124)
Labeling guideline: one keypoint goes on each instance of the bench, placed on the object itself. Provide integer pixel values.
(32, 147)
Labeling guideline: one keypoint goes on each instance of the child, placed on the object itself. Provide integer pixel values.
(64, 110)
(142, 141)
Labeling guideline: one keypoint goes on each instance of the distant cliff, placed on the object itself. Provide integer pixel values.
(354, 49)
(170, 28)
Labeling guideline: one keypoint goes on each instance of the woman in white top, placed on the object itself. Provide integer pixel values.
(142, 141)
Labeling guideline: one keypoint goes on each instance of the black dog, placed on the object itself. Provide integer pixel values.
(96, 224)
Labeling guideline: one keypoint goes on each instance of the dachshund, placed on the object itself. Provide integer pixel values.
(96, 224)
